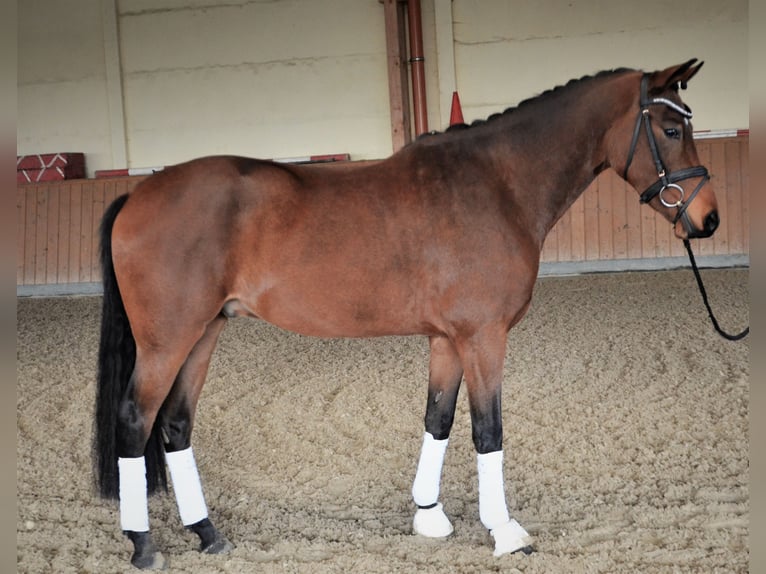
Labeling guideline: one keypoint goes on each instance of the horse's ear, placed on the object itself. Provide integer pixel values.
(674, 77)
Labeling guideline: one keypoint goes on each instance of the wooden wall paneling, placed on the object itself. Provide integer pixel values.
(550, 250)
(30, 194)
(121, 187)
(719, 243)
(648, 232)
(723, 244)
(564, 226)
(51, 238)
(110, 192)
(676, 245)
(734, 195)
(31, 234)
(744, 157)
(86, 229)
(633, 215)
(75, 231)
(705, 158)
(664, 235)
(21, 229)
(41, 234)
(577, 218)
(619, 215)
(97, 210)
(605, 233)
(130, 185)
(590, 218)
(110, 188)
(65, 227)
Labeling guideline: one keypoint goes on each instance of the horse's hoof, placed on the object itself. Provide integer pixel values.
(150, 561)
(526, 550)
(511, 537)
(220, 545)
(211, 540)
(145, 553)
(432, 522)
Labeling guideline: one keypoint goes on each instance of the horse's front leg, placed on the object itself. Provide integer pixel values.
(445, 374)
(482, 356)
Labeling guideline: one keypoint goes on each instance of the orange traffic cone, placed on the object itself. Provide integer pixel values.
(456, 113)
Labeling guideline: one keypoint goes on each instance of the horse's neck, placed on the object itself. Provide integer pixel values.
(549, 157)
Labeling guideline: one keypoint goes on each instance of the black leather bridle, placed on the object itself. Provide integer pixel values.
(665, 180)
(669, 181)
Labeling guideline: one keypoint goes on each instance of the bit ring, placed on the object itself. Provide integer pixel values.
(678, 203)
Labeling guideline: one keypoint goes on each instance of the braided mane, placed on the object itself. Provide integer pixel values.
(542, 96)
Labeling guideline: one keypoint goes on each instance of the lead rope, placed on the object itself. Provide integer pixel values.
(721, 332)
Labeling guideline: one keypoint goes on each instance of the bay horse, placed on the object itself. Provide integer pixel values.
(441, 239)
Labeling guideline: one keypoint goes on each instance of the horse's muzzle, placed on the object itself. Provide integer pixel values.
(708, 227)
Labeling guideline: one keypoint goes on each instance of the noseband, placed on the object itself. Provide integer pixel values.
(666, 181)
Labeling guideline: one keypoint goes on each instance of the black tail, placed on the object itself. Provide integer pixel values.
(116, 359)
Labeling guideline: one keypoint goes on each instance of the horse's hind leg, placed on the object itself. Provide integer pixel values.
(153, 375)
(445, 374)
(163, 351)
(177, 420)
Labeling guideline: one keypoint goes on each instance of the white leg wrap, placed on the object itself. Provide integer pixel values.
(425, 489)
(187, 486)
(508, 534)
(492, 509)
(134, 508)
(430, 522)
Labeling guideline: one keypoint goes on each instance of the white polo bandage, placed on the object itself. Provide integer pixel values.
(187, 486)
(425, 489)
(493, 511)
(134, 509)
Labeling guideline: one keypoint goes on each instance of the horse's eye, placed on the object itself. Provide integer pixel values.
(673, 133)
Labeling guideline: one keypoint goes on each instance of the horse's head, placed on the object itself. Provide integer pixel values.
(654, 151)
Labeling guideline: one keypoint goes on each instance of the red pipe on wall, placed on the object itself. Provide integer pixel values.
(417, 62)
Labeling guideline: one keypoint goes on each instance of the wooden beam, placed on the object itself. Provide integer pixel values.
(398, 86)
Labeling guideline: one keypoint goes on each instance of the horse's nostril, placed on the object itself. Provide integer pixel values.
(711, 221)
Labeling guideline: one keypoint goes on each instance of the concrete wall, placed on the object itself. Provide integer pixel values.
(506, 51)
(62, 85)
(144, 83)
(297, 77)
